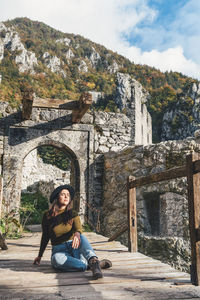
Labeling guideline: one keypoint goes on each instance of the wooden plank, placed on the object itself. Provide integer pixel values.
(118, 233)
(162, 176)
(132, 216)
(133, 270)
(56, 103)
(194, 216)
(84, 103)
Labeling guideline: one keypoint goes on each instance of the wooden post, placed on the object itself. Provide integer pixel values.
(84, 103)
(194, 216)
(3, 244)
(27, 103)
(1, 194)
(132, 216)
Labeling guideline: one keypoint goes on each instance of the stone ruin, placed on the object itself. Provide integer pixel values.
(84, 143)
(104, 149)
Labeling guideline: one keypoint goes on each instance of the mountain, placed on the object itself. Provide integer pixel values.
(61, 65)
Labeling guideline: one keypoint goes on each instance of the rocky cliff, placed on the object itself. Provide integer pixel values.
(184, 118)
(10, 40)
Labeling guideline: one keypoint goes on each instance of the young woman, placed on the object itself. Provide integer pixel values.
(71, 251)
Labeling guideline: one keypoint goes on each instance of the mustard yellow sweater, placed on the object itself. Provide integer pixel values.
(59, 229)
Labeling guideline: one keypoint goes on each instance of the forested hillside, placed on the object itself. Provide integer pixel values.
(61, 65)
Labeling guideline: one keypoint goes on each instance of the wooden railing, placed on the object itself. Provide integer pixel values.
(192, 171)
(3, 244)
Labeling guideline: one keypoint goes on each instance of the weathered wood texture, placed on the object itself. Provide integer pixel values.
(132, 216)
(132, 276)
(192, 171)
(79, 107)
(162, 176)
(1, 194)
(118, 233)
(194, 216)
(3, 244)
(84, 103)
(56, 103)
(27, 105)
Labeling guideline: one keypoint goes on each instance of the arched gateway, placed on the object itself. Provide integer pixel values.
(47, 127)
(85, 138)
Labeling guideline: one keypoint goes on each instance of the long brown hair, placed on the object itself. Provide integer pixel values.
(54, 211)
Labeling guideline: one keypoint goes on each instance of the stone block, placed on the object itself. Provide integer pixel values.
(88, 118)
(96, 146)
(111, 140)
(108, 165)
(126, 137)
(106, 133)
(102, 140)
(103, 149)
(116, 148)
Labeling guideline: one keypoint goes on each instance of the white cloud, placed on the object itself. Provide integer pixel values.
(171, 59)
(107, 21)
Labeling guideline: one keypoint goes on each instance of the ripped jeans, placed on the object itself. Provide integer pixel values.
(67, 259)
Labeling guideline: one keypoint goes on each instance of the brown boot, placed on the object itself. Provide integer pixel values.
(105, 264)
(95, 268)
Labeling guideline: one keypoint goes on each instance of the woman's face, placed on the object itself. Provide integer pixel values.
(64, 198)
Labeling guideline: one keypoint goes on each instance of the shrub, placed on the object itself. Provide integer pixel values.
(32, 208)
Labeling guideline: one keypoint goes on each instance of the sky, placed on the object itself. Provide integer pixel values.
(164, 34)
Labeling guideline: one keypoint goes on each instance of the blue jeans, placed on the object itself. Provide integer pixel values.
(67, 259)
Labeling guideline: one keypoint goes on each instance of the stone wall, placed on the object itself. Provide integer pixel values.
(98, 133)
(131, 98)
(39, 176)
(46, 127)
(112, 132)
(161, 208)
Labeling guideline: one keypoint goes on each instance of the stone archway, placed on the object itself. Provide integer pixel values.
(74, 172)
(22, 140)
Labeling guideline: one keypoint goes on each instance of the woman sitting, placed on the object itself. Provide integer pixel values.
(71, 251)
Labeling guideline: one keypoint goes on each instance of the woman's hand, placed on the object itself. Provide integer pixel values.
(76, 240)
(37, 260)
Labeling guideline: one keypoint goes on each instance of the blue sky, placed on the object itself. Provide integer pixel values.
(160, 33)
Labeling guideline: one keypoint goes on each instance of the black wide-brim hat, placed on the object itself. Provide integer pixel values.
(57, 191)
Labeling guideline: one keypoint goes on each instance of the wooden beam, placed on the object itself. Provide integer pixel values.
(132, 216)
(196, 166)
(56, 103)
(165, 175)
(27, 104)
(194, 216)
(151, 179)
(78, 107)
(3, 244)
(118, 233)
(1, 194)
(84, 103)
(198, 234)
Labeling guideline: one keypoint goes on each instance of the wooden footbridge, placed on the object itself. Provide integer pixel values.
(132, 276)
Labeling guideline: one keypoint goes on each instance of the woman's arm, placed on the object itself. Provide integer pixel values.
(78, 230)
(44, 240)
